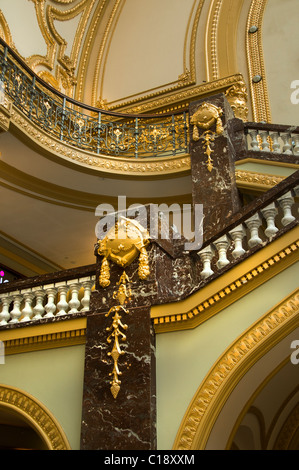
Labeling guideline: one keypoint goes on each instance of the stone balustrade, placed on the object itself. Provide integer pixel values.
(279, 139)
(67, 297)
(257, 230)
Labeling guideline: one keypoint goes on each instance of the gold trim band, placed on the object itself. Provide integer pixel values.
(232, 285)
(70, 332)
(36, 414)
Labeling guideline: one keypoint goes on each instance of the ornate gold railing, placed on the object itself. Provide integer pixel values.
(86, 127)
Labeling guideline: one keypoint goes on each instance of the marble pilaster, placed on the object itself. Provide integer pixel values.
(214, 185)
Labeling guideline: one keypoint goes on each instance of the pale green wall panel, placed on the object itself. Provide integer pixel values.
(185, 357)
(55, 378)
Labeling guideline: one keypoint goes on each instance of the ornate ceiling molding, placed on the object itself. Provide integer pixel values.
(221, 37)
(62, 75)
(4, 30)
(255, 60)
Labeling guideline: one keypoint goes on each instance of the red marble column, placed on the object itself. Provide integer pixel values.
(127, 422)
(213, 150)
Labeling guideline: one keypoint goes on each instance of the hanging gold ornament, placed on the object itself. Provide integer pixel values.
(104, 279)
(143, 269)
(122, 245)
(205, 117)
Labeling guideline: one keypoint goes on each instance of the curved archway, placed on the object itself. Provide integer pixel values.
(28, 410)
(224, 377)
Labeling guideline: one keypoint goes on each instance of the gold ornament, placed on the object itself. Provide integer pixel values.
(122, 245)
(116, 351)
(205, 117)
(104, 279)
(143, 270)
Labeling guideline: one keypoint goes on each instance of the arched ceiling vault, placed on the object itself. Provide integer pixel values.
(121, 54)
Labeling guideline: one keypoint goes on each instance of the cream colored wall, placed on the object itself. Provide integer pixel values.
(34, 43)
(281, 56)
(184, 358)
(55, 378)
(141, 56)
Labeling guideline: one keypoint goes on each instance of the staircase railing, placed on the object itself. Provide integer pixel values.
(256, 225)
(86, 127)
(46, 296)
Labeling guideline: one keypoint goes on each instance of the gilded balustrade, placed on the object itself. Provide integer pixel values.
(85, 127)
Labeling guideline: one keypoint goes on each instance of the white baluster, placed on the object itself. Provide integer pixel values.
(74, 303)
(254, 141)
(206, 255)
(4, 315)
(296, 144)
(287, 147)
(253, 223)
(222, 245)
(275, 142)
(265, 143)
(39, 309)
(27, 311)
(62, 305)
(87, 285)
(286, 202)
(50, 307)
(270, 213)
(237, 234)
(16, 311)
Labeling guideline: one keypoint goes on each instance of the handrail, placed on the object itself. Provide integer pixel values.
(65, 293)
(78, 103)
(98, 131)
(270, 127)
(256, 205)
(48, 278)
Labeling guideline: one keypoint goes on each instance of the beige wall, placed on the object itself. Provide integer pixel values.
(280, 46)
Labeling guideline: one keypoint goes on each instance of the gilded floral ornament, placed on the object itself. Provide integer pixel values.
(123, 244)
(116, 333)
(237, 98)
(205, 117)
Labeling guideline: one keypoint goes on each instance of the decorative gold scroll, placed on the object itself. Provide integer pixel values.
(208, 138)
(122, 245)
(205, 117)
(116, 332)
